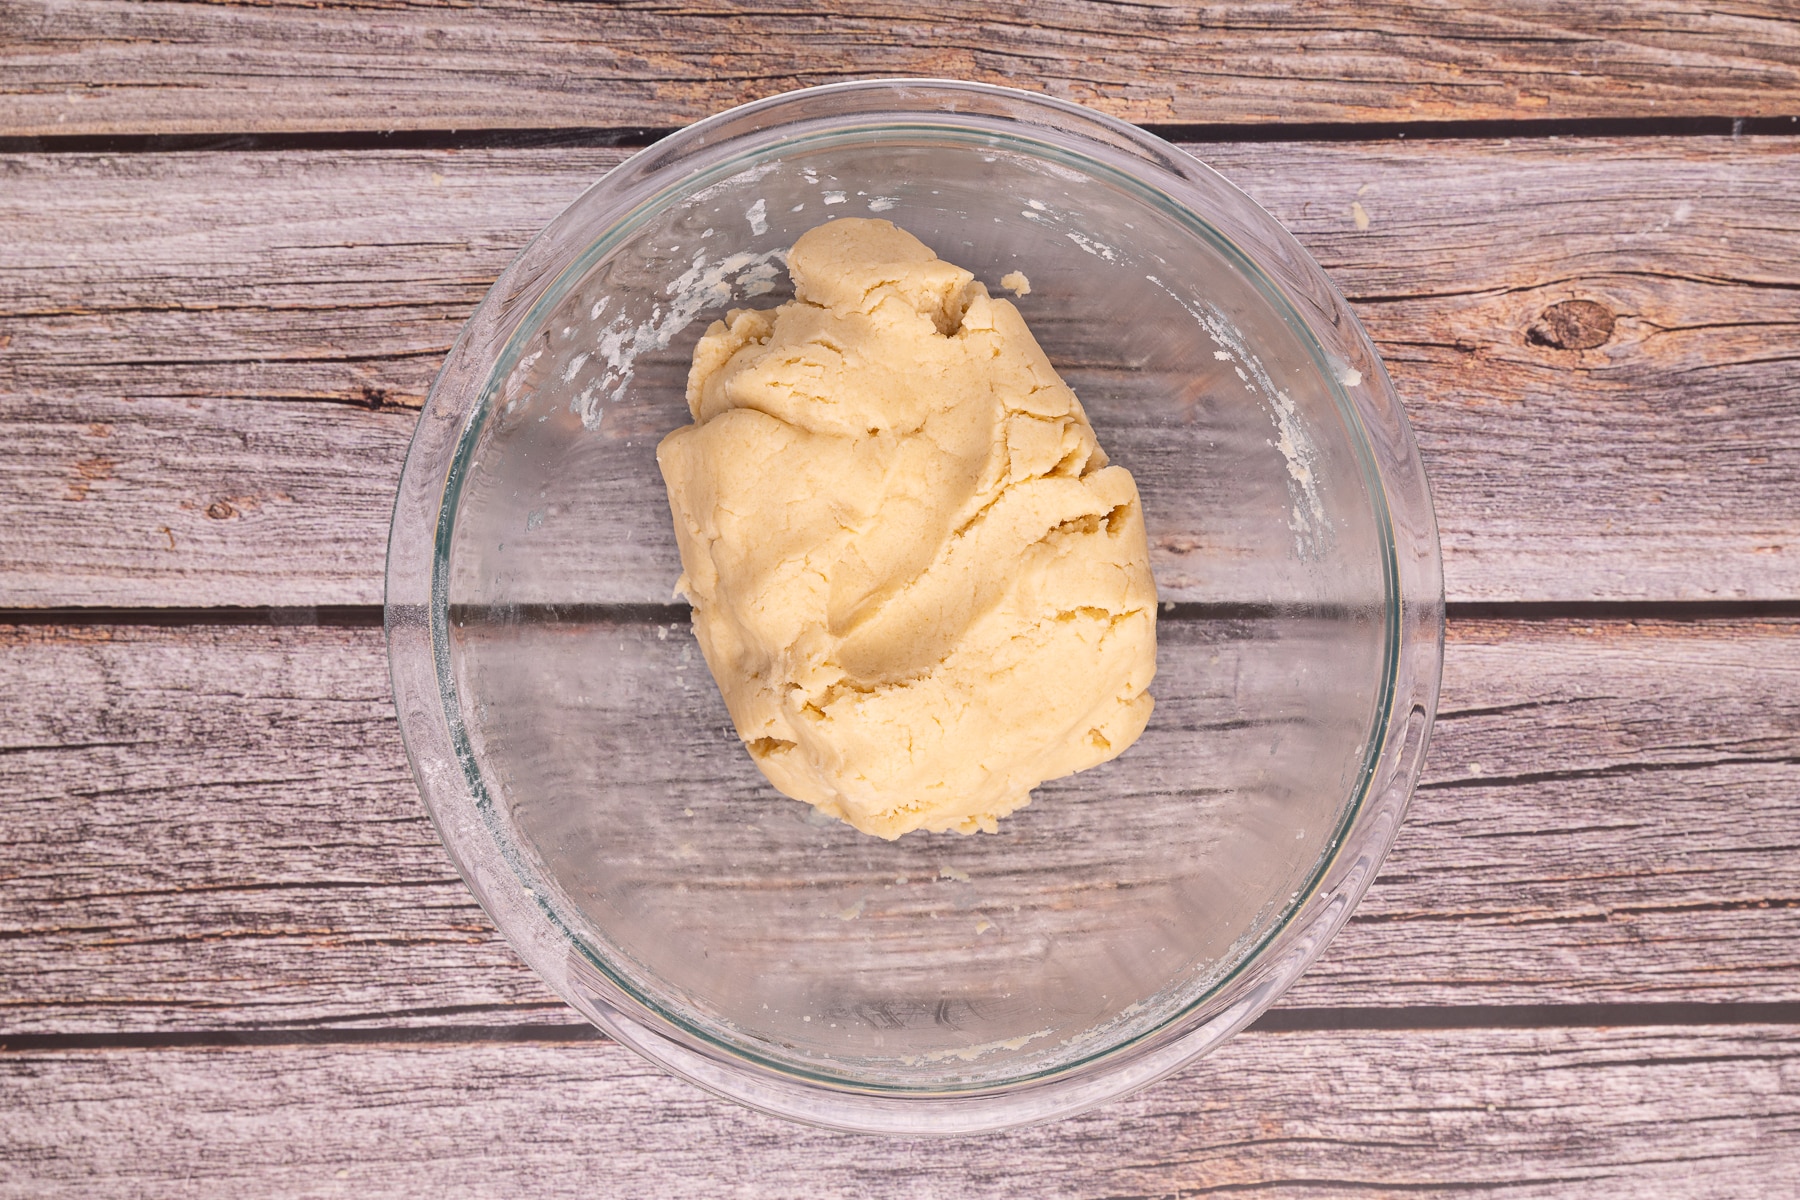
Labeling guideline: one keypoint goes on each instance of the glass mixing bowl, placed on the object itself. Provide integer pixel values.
(582, 769)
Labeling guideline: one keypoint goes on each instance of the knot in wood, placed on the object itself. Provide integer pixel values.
(219, 510)
(1572, 325)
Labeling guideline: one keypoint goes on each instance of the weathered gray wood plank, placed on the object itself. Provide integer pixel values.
(1701, 1112)
(207, 361)
(103, 66)
(1576, 805)
(214, 828)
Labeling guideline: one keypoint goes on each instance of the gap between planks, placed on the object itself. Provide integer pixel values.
(1280, 1020)
(367, 616)
(634, 138)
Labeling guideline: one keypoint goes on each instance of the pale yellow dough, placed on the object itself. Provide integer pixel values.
(919, 586)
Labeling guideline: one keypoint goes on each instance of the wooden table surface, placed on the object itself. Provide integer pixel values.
(235, 242)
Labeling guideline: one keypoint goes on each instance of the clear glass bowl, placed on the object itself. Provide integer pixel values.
(579, 762)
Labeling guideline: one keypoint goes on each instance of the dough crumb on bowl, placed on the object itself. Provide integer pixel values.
(1016, 283)
(921, 588)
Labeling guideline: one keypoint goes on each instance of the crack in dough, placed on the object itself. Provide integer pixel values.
(920, 586)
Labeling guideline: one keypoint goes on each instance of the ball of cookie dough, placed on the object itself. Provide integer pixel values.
(919, 585)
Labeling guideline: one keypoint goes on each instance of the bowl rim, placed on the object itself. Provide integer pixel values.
(449, 777)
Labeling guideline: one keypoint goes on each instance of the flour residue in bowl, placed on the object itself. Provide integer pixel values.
(1307, 513)
(706, 284)
(971, 1053)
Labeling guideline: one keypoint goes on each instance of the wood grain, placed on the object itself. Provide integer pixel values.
(104, 66)
(1573, 766)
(1569, 1112)
(210, 360)
(214, 828)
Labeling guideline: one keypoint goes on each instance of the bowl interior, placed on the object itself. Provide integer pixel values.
(1119, 897)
